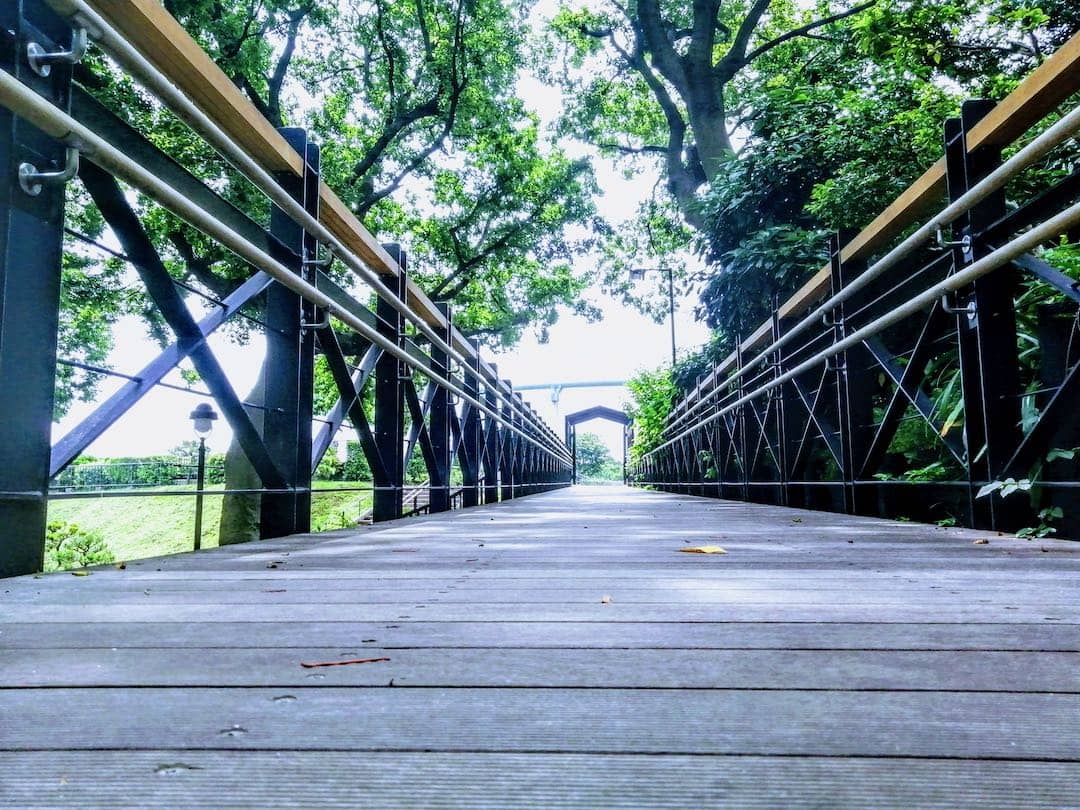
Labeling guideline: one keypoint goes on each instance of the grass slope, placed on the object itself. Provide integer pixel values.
(150, 526)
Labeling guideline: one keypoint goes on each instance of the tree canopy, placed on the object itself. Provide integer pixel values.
(774, 121)
(422, 135)
(594, 460)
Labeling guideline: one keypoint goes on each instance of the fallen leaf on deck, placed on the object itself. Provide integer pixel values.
(80, 573)
(121, 565)
(605, 600)
(796, 520)
(705, 550)
(982, 541)
(343, 663)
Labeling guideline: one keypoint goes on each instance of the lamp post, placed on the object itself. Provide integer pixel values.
(203, 418)
(638, 273)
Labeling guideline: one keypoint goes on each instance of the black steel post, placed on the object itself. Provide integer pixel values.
(509, 445)
(390, 401)
(31, 244)
(472, 434)
(785, 430)
(854, 391)
(492, 438)
(743, 447)
(200, 483)
(521, 450)
(987, 334)
(290, 354)
(439, 420)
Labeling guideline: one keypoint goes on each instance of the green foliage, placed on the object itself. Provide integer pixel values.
(67, 546)
(653, 393)
(753, 276)
(125, 472)
(594, 460)
(1030, 485)
(773, 123)
(150, 526)
(423, 136)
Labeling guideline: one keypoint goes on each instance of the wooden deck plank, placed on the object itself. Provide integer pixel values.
(199, 779)
(815, 663)
(703, 722)
(546, 668)
(542, 635)
(853, 611)
(448, 593)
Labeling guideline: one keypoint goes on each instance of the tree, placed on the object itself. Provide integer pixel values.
(594, 460)
(653, 393)
(773, 120)
(423, 138)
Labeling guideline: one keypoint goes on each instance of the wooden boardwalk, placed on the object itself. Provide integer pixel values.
(555, 650)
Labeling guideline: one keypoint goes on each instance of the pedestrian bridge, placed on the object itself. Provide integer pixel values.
(743, 628)
(561, 649)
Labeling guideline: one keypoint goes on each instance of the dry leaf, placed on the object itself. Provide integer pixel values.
(605, 600)
(80, 573)
(982, 541)
(704, 550)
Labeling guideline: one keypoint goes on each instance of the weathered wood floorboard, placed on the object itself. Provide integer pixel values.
(553, 651)
(335, 779)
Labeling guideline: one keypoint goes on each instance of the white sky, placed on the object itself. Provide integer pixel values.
(622, 343)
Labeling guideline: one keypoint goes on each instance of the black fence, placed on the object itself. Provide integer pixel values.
(433, 393)
(936, 381)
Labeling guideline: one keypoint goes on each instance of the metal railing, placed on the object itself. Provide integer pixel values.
(467, 417)
(816, 407)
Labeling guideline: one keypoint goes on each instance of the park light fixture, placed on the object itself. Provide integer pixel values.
(203, 418)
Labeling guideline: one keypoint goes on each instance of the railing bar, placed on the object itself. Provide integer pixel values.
(1056, 134)
(27, 104)
(106, 36)
(1061, 223)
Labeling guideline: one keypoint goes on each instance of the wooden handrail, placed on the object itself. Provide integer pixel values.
(163, 41)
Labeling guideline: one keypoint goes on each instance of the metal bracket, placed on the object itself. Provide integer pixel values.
(964, 243)
(323, 324)
(41, 61)
(969, 309)
(319, 264)
(32, 181)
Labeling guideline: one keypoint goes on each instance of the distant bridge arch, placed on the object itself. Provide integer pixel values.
(587, 415)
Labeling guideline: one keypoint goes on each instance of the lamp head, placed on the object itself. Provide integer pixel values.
(203, 418)
(637, 274)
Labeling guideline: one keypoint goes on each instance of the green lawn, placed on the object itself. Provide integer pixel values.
(149, 526)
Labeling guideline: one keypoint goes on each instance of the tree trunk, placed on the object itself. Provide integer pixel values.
(240, 513)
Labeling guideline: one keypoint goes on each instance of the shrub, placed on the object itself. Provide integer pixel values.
(68, 546)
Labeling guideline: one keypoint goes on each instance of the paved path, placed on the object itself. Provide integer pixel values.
(555, 650)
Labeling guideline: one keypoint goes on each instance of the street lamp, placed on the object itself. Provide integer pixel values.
(203, 417)
(638, 273)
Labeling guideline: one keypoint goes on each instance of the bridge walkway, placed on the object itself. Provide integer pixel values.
(554, 650)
